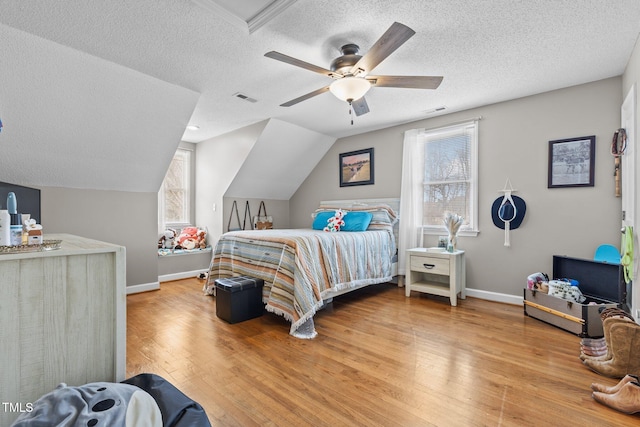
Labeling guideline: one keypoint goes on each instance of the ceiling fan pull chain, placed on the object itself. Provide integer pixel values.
(350, 113)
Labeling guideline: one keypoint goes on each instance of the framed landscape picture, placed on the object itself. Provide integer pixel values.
(356, 168)
(572, 162)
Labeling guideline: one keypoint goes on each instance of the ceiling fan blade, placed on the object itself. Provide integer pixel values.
(392, 39)
(305, 97)
(298, 63)
(409, 82)
(360, 106)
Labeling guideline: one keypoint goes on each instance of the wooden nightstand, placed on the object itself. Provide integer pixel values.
(437, 273)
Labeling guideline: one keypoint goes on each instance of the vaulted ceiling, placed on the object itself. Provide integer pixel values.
(113, 84)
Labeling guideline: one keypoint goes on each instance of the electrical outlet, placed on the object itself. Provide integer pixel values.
(637, 313)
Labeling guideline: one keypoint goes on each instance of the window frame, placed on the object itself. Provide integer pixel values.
(472, 229)
(188, 192)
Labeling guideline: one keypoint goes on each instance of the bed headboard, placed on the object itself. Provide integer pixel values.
(393, 203)
(346, 204)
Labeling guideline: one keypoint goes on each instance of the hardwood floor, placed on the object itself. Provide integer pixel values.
(380, 359)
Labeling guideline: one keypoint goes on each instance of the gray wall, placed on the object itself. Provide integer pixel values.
(513, 143)
(172, 267)
(123, 218)
(217, 163)
(278, 209)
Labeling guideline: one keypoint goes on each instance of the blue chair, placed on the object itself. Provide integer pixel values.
(607, 253)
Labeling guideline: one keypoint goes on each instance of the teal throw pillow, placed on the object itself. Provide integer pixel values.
(321, 219)
(356, 221)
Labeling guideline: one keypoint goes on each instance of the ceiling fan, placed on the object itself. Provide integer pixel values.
(350, 71)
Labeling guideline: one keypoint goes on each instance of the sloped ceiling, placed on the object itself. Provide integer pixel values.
(280, 160)
(98, 94)
(488, 51)
(74, 120)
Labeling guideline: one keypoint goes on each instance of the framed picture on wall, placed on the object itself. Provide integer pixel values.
(356, 168)
(572, 162)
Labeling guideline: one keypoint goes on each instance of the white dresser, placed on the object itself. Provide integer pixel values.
(436, 272)
(63, 319)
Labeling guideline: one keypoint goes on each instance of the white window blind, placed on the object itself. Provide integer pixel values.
(450, 175)
(174, 197)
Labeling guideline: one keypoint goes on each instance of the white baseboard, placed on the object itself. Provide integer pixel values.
(135, 289)
(495, 296)
(178, 276)
(475, 293)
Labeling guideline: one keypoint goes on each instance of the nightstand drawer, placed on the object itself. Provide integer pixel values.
(430, 265)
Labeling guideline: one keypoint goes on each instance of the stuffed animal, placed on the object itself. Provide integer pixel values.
(187, 238)
(192, 238)
(167, 239)
(336, 221)
(538, 282)
(542, 287)
(202, 239)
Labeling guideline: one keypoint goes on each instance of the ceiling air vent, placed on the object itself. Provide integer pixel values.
(436, 110)
(245, 97)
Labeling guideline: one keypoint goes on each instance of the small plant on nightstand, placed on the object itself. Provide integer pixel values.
(452, 223)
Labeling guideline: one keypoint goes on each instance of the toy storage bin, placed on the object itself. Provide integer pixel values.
(601, 282)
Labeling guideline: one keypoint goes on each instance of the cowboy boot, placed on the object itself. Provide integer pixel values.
(606, 324)
(617, 313)
(613, 389)
(593, 347)
(625, 352)
(626, 400)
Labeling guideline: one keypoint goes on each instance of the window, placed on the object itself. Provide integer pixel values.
(449, 157)
(439, 175)
(174, 198)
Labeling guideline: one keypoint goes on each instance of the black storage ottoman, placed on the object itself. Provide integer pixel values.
(239, 298)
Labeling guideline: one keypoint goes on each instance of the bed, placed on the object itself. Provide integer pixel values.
(304, 268)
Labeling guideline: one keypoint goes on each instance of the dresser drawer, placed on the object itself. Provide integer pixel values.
(431, 265)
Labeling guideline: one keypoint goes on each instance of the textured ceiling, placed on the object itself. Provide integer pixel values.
(75, 120)
(488, 51)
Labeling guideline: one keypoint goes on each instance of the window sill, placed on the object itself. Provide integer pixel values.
(443, 232)
(179, 252)
(178, 225)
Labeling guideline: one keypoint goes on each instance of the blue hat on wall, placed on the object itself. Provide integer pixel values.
(509, 209)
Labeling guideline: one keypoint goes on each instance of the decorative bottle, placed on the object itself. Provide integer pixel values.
(15, 229)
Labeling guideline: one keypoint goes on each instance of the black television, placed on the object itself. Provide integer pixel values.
(28, 199)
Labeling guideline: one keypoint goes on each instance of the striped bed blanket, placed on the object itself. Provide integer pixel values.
(300, 267)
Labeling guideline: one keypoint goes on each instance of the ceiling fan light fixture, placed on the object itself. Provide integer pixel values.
(350, 88)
